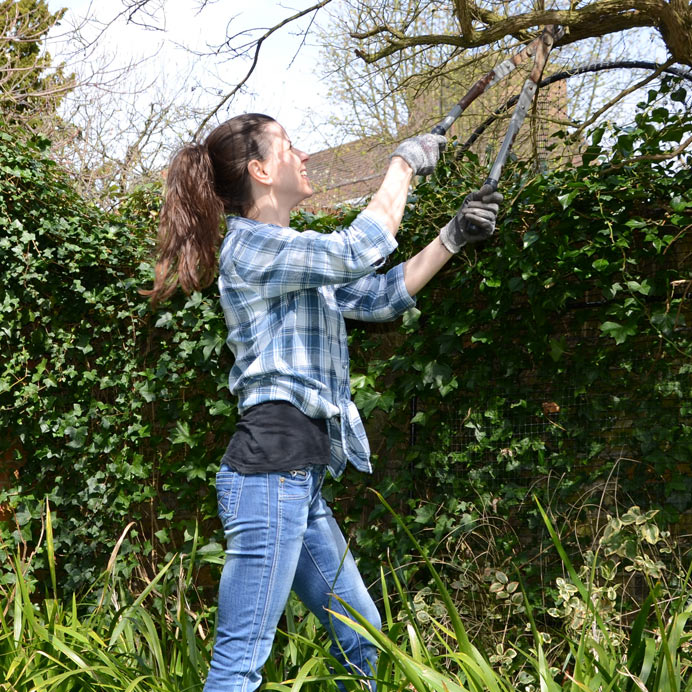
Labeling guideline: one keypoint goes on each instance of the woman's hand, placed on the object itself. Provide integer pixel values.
(421, 152)
(475, 220)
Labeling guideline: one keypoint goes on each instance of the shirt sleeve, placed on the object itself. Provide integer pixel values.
(274, 260)
(376, 297)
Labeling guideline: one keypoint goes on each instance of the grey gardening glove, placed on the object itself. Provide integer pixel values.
(421, 152)
(475, 220)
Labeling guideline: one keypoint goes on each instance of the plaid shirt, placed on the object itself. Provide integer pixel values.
(284, 295)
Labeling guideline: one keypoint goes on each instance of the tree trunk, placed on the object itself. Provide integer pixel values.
(676, 30)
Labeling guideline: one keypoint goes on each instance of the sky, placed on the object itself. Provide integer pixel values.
(285, 84)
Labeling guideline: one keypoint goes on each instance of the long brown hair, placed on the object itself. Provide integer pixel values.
(205, 181)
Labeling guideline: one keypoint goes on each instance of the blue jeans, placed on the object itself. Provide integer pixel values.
(281, 535)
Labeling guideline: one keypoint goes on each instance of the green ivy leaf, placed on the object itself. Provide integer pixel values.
(636, 223)
(367, 401)
(212, 342)
(567, 199)
(411, 317)
(162, 535)
(220, 407)
(182, 434)
(644, 287)
(619, 332)
(663, 321)
(361, 381)
(679, 95)
(557, 348)
(425, 513)
(164, 321)
(77, 436)
(419, 419)
(530, 237)
(678, 203)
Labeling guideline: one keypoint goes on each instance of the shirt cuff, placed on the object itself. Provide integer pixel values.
(383, 241)
(396, 289)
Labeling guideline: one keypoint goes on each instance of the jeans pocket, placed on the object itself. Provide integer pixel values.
(229, 486)
(295, 485)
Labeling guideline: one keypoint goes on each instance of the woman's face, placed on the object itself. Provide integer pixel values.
(285, 165)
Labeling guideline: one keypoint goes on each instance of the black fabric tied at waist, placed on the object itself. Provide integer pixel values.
(276, 436)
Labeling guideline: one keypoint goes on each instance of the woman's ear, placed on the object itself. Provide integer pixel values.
(258, 172)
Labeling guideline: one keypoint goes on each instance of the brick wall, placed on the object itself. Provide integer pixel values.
(346, 173)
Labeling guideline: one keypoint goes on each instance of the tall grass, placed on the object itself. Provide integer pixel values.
(657, 656)
(159, 639)
(106, 640)
(111, 639)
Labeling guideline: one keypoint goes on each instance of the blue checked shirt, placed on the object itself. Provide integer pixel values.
(284, 295)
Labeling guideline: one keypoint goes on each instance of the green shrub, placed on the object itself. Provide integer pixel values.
(554, 360)
(110, 411)
(160, 638)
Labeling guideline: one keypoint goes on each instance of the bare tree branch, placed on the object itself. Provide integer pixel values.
(257, 49)
(461, 9)
(673, 19)
(607, 106)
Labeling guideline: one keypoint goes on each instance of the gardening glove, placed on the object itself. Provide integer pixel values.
(475, 220)
(421, 152)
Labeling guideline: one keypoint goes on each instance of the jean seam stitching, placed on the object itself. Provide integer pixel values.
(263, 617)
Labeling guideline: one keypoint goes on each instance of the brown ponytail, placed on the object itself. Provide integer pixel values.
(204, 182)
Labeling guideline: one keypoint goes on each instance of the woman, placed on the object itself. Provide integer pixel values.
(284, 295)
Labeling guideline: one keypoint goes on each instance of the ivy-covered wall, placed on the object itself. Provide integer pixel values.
(109, 411)
(555, 360)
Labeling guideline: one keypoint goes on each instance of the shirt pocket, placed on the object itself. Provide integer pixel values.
(229, 486)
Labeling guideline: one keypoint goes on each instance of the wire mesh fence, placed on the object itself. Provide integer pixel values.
(618, 426)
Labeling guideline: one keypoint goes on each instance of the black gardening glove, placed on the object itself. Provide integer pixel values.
(475, 220)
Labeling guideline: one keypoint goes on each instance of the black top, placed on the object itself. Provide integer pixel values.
(276, 436)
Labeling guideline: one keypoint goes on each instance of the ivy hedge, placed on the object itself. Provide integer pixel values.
(555, 360)
(107, 410)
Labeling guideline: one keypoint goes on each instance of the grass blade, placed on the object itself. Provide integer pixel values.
(487, 679)
(123, 622)
(583, 591)
(50, 548)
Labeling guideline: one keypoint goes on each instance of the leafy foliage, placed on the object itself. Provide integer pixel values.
(112, 412)
(30, 83)
(555, 360)
(109, 639)
(160, 638)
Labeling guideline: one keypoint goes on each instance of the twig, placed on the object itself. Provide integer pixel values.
(622, 95)
(258, 46)
(651, 157)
